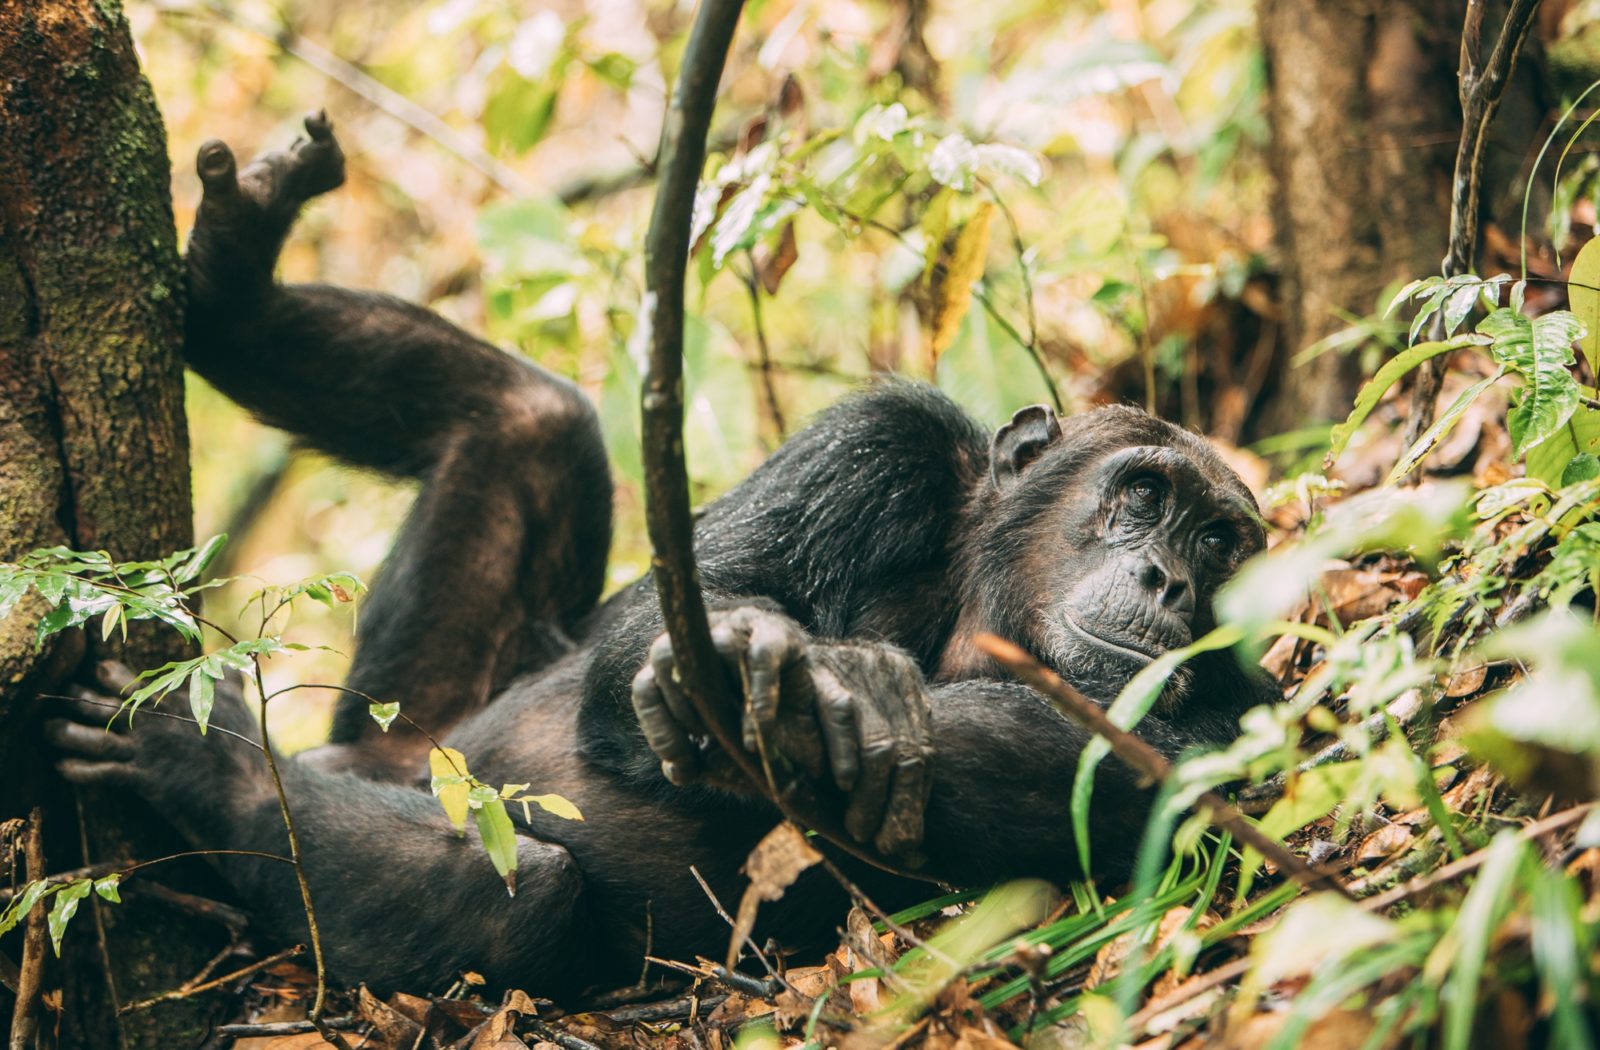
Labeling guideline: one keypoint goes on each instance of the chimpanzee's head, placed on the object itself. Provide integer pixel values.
(1100, 542)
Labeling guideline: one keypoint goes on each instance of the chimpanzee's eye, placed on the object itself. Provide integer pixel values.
(1144, 493)
(1218, 544)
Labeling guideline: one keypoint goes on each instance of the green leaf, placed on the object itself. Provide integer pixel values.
(1130, 707)
(1585, 466)
(1388, 376)
(23, 903)
(202, 695)
(1465, 948)
(1583, 292)
(500, 840)
(107, 888)
(1314, 794)
(195, 565)
(1548, 460)
(1441, 427)
(384, 714)
(64, 907)
(1540, 351)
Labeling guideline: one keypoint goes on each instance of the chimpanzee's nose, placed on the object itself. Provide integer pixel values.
(1169, 586)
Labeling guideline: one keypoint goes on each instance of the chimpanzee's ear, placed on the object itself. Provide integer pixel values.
(1020, 442)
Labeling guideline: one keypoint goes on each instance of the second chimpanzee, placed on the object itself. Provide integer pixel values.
(847, 578)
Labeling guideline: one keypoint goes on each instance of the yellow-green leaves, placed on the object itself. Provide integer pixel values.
(461, 794)
(1540, 351)
(1388, 376)
(1583, 292)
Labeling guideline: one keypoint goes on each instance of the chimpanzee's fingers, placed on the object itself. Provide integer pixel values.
(666, 671)
(216, 167)
(318, 126)
(114, 677)
(89, 708)
(912, 725)
(901, 830)
(835, 713)
(771, 646)
(662, 731)
(863, 814)
(86, 741)
(88, 771)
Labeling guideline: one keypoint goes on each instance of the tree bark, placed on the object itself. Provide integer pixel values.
(93, 451)
(1362, 102)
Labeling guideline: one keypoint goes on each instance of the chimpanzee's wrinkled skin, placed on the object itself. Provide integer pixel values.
(847, 577)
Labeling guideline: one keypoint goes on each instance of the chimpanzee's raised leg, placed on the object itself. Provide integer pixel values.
(505, 548)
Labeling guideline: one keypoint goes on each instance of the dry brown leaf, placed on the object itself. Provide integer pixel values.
(396, 1028)
(1109, 959)
(1467, 681)
(1384, 842)
(978, 1039)
(772, 866)
(1336, 1030)
(955, 291)
(773, 263)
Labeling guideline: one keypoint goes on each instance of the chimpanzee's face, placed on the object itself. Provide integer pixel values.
(1129, 526)
(1151, 538)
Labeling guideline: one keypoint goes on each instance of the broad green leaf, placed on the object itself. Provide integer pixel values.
(384, 714)
(1388, 376)
(1547, 461)
(107, 888)
(197, 563)
(64, 907)
(1441, 427)
(1583, 292)
(1585, 466)
(1540, 351)
(1458, 306)
(23, 903)
(500, 840)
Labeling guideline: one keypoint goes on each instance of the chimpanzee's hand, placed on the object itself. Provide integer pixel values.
(158, 752)
(855, 715)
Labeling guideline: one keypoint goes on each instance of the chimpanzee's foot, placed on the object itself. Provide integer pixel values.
(275, 184)
(244, 216)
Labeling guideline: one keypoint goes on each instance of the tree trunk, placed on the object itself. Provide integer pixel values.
(93, 453)
(1362, 102)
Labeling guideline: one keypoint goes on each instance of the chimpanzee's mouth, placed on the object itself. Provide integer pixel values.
(1144, 653)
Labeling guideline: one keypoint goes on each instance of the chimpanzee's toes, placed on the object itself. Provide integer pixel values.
(316, 164)
(216, 168)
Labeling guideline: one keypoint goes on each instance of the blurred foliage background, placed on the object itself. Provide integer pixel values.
(498, 172)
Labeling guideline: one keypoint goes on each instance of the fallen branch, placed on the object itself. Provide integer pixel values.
(189, 988)
(1139, 755)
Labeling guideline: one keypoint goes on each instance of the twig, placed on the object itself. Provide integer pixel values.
(750, 941)
(1481, 87)
(1138, 754)
(30, 978)
(1473, 860)
(272, 1028)
(696, 667)
(225, 915)
(769, 391)
(1031, 346)
(555, 1035)
(189, 988)
(668, 1010)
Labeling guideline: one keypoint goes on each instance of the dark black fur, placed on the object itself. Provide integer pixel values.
(891, 521)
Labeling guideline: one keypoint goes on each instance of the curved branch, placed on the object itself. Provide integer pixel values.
(666, 479)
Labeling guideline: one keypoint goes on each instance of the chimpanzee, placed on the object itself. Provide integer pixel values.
(847, 577)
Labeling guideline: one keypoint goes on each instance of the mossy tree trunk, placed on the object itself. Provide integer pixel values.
(93, 453)
(1364, 122)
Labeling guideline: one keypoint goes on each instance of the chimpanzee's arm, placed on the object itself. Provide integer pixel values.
(1002, 783)
(405, 903)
